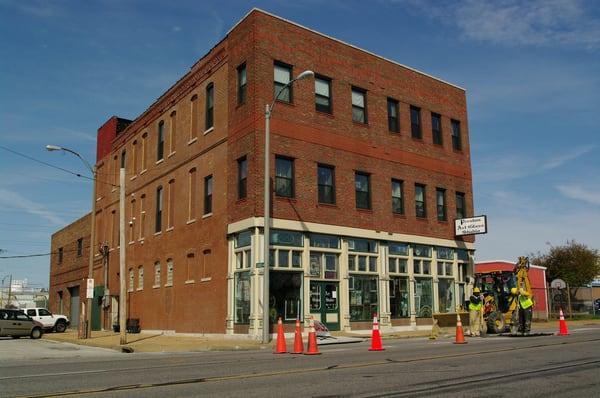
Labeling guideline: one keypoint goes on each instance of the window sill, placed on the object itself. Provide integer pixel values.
(157, 233)
(417, 139)
(129, 290)
(159, 161)
(171, 154)
(364, 210)
(189, 282)
(457, 150)
(169, 229)
(394, 132)
(169, 285)
(361, 124)
(143, 171)
(98, 199)
(141, 240)
(440, 146)
(399, 215)
(442, 221)
(241, 200)
(206, 279)
(139, 289)
(156, 287)
(324, 113)
(329, 205)
(209, 130)
(133, 178)
(421, 218)
(131, 242)
(188, 222)
(207, 215)
(190, 142)
(286, 198)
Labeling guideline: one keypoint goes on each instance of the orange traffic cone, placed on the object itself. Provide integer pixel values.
(460, 337)
(298, 344)
(375, 336)
(280, 346)
(312, 340)
(563, 331)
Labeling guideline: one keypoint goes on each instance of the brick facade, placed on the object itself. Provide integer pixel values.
(201, 246)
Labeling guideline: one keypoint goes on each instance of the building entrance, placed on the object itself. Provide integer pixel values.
(324, 302)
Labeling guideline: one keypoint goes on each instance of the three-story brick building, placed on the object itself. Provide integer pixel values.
(370, 166)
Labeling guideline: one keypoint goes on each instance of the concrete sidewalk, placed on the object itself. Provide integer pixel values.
(154, 342)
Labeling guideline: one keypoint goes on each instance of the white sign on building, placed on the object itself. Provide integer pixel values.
(470, 226)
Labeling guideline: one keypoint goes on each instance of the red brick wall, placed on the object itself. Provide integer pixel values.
(73, 269)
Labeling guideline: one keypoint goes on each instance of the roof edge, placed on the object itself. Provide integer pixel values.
(342, 42)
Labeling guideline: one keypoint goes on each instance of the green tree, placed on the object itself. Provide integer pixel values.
(575, 263)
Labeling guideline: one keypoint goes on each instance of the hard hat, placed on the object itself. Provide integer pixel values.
(476, 290)
(513, 290)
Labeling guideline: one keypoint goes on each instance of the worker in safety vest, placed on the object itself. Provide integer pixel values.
(475, 306)
(525, 311)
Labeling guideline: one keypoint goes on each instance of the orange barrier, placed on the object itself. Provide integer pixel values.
(460, 336)
(298, 344)
(376, 336)
(312, 340)
(562, 329)
(280, 347)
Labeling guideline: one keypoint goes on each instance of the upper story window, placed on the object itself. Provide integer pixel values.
(440, 198)
(172, 132)
(436, 128)
(397, 196)
(192, 194)
(456, 140)
(60, 255)
(160, 142)
(362, 185)
(208, 192)
(323, 94)
(420, 205)
(282, 76)
(241, 84)
(210, 106)
(359, 105)
(392, 109)
(284, 177)
(159, 209)
(460, 205)
(79, 246)
(242, 177)
(415, 122)
(194, 117)
(326, 182)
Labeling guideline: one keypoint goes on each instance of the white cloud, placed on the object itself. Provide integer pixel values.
(505, 167)
(514, 23)
(16, 200)
(579, 192)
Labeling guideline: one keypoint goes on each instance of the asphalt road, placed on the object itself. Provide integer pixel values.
(548, 366)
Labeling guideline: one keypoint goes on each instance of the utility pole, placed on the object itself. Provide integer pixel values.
(122, 279)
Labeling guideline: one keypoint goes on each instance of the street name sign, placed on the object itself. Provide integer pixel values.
(90, 288)
(470, 226)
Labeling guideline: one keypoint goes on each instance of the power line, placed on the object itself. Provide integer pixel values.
(42, 254)
(54, 166)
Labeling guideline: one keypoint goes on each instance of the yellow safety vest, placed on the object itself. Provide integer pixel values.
(525, 301)
(475, 307)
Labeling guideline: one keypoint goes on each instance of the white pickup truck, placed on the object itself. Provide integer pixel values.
(50, 321)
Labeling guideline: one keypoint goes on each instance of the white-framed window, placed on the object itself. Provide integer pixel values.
(140, 277)
(169, 272)
(398, 258)
(362, 255)
(131, 280)
(156, 274)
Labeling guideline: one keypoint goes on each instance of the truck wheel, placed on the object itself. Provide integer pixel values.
(60, 326)
(495, 322)
(36, 333)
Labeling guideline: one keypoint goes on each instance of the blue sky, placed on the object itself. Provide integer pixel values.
(531, 70)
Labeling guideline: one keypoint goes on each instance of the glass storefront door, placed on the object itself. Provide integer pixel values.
(324, 301)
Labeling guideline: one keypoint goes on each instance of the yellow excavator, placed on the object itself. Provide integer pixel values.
(500, 306)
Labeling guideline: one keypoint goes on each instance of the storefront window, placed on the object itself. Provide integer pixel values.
(462, 255)
(325, 241)
(283, 258)
(242, 297)
(444, 268)
(324, 265)
(422, 251)
(445, 253)
(399, 304)
(362, 245)
(286, 238)
(397, 265)
(423, 297)
(285, 295)
(400, 249)
(363, 297)
(243, 239)
(422, 266)
(446, 295)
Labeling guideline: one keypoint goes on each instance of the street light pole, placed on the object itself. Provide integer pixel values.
(267, 204)
(88, 306)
